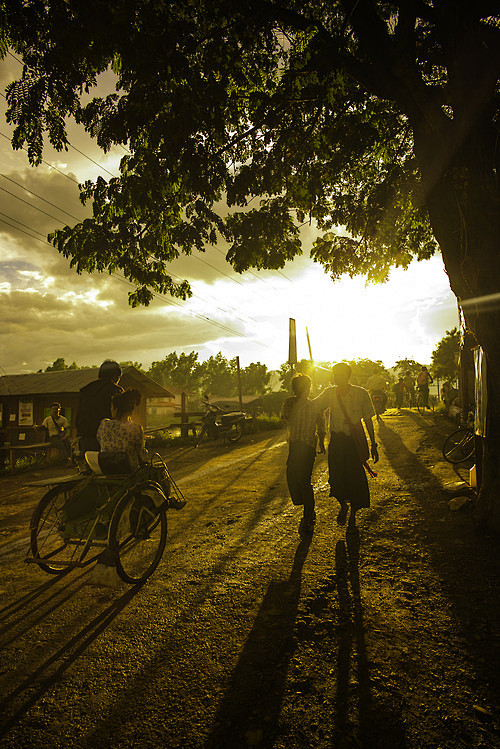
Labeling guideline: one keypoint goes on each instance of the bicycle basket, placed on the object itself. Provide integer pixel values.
(159, 474)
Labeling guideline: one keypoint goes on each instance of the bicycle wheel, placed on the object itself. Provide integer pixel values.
(420, 403)
(235, 433)
(459, 446)
(138, 534)
(48, 542)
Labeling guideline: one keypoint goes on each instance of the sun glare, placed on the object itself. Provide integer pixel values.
(391, 321)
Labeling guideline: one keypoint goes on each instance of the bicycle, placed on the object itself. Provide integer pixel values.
(122, 519)
(421, 401)
(459, 446)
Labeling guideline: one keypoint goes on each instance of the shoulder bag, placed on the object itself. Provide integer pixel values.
(359, 437)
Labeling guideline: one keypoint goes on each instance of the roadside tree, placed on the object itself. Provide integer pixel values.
(445, 356)
(255, 379)
(408, 365)
(180, 370)
(217, 376)
(59, 365)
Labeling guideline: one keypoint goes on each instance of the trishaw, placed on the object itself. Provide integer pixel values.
(118, 519)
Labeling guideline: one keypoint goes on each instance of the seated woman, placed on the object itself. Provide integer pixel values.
(119, 435)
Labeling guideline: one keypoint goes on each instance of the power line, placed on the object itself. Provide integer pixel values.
(92, 160)
(43, 160)
(190, 312)
(222, 309)
(39, 196)
(218, 270)
(31, 205)
(24, 232)
(56, 219)
(124, 280)
(250, 273)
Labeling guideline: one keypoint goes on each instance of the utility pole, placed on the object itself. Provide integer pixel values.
(292, 345)
(239, 382)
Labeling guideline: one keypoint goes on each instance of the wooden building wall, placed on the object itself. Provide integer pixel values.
(11, 428)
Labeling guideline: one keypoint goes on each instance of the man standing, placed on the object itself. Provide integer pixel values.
(301, 416)
(410, 387)
(399, 390)
(348, 448)
(424, 379)
(95, 404)
(58, 429)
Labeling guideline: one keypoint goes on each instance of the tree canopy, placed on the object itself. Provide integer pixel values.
(60, 364)
(335, 113)
(445, 356)
(215, 376)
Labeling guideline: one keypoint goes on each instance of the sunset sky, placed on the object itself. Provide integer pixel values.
(48, 311)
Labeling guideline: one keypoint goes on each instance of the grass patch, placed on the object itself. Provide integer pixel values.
(265, 422)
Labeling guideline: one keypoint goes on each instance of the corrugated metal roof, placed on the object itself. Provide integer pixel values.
(72, 380)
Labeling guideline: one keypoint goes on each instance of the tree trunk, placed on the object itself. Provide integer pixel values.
(464, 208)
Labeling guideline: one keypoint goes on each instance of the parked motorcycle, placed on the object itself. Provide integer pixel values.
(220, 423)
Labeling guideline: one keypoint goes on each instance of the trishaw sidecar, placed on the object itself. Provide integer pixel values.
(119, 519)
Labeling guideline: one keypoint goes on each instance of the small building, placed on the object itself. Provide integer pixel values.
(161, 410)
(250, 403)
(25, 399)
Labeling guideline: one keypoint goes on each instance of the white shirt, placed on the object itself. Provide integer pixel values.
(48, 423)
(357, 403)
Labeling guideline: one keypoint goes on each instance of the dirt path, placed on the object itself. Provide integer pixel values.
(247, 636)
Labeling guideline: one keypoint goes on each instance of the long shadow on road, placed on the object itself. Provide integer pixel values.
(378, 726)
(466, 561)
(250, 708)
(51, 671)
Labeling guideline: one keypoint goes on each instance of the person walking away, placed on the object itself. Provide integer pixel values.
(301, 416)
(399, 390)
(424, 379)
(58, 429)
(377, 384)
(410, 387)
(95, 404)
(348, 448)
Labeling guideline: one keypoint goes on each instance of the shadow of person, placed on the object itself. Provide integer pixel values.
(35, 685)
(249, 711)
(377, 726)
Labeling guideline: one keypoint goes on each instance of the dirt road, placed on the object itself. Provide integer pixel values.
(247, 636)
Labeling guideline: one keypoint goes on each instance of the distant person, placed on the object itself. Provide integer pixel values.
(348, 449)
(410, 387)
(95, 404)
(448, 394)
(302, 416)
(399, 390)
(377, 384)
(424, 379)
(58, 429)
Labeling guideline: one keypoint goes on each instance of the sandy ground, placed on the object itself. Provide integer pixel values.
(248, 636)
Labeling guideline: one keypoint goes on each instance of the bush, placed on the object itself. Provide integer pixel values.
(264, 422)
(160, 439)
(271, 403)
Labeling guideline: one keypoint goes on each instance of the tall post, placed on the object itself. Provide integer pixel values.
(184, 416)
(292, 345)
(239, 382)
(313, 378)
